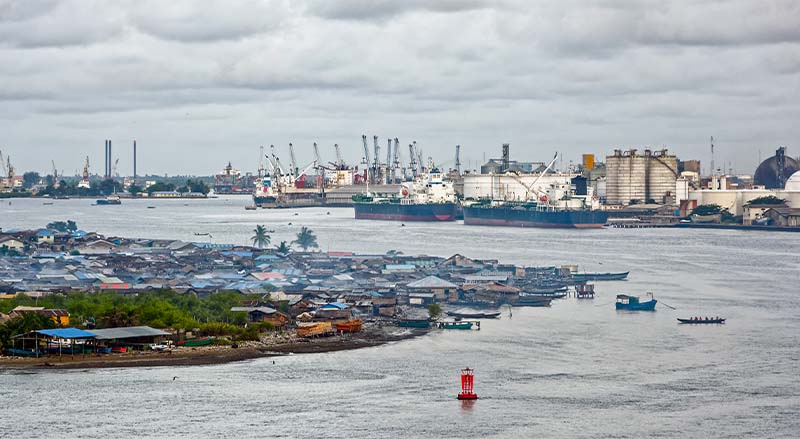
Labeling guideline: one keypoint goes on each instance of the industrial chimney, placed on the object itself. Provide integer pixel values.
(506, 158)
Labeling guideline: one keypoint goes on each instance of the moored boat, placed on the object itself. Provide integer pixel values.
(428, 198)
(701, 321)
(632, 303)
(353, 325)
(196, 342)
(600, 276)
(454, 325)
(473, 314)
(411, 323)
(529, 300)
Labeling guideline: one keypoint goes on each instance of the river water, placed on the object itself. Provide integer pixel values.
(577, 369)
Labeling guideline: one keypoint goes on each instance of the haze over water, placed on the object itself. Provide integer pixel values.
(577, 369)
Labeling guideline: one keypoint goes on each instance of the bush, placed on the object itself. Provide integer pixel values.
(218, 328)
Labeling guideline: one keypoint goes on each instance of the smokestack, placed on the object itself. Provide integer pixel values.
(134, 160)
(506, 158)
(109, 159)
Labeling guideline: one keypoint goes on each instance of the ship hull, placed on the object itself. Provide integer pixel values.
(406, 212)
(514, 217)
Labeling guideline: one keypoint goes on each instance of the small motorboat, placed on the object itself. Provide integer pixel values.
(250, 207)
(473, 314)
(702, 321)
(632, 303)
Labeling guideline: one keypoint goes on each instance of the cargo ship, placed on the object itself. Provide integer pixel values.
(532, 215)
(264, 194)
(428, 198)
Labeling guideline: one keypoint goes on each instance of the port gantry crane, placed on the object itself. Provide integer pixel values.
(294, 170)
(530, 188)
(389, 166)
(376, 166)
(396, 165)
(339, 161)
(412, 165)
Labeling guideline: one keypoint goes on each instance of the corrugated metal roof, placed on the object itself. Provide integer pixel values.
(431, 282)
(68, 333)
(129, 332)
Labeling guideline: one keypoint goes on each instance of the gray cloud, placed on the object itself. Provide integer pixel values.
(199, 84)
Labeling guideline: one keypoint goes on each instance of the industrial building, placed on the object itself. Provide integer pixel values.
(633, 178)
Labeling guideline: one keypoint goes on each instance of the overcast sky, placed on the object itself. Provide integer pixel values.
(199, 83)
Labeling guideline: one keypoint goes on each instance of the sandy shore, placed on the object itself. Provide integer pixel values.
(196, 356)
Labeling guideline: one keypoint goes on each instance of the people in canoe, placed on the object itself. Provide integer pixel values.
(705, 318)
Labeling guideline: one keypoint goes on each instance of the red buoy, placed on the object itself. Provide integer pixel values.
(467, 385)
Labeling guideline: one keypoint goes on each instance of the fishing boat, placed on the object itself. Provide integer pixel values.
(700, 321)
(249, 207)
(454, 325)
(465, 313)
(532, 300)
(600, 276)
(410, 323)
(353, 325)
(632, 303)
(196, 342)
(13, 352)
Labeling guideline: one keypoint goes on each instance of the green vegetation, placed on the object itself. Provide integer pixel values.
(21, 325)
(29, 179)
(769, 199)
(714, 209)
(161, 187)
(68, 226)
(434, 310)
(135, 189)
(283, 248)
(306, 239)
(159, 309)
(260, 239)
(195, 186)
(707, 209)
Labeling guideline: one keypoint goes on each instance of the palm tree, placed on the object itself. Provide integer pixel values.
(306, 239)
(283, 248)
(260, 239)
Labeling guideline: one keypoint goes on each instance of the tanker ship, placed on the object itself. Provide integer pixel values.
(538, 208)
(532, 215)
(428, 198)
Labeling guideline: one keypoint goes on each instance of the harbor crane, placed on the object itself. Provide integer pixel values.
(339, 161)
(389, 164)
(114, 170)
(457, 163)
(55, 175)
(412, 165)
(294, 161)
(377, 165)
(316, 155)
(396, 163)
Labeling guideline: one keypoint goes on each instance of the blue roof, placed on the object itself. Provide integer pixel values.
(78, 234)
(241, 254)
(66, 333)
(337, 305)
(266, 257)
(401, 267)
(44, 232)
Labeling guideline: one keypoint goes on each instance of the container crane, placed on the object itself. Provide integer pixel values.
(396, 163)
(412, 165)
(377, 165)
(294, 161)
(389, 164)
(339, 161)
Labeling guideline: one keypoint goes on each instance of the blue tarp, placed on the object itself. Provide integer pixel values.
(335, 305)
(66, 333)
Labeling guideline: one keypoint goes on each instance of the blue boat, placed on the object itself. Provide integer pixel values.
(632, 303)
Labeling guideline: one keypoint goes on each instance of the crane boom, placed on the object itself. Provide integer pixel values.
(530, 188)
(413, 163)
(366, 149)
(316, 155)
(294, 161)
(3, 164)
(457, 163)
(339, 162)
(377, 164)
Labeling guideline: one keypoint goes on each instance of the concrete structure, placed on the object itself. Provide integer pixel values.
(633, 177)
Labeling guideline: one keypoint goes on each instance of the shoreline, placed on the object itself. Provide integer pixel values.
(211, 355)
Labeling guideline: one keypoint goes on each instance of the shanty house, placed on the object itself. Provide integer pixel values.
(258, 314)
(441, 289)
